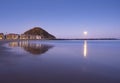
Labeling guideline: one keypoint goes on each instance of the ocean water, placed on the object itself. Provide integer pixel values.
(60, 61)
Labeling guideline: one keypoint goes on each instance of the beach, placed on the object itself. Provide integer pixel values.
(2, 42)
(64, 61)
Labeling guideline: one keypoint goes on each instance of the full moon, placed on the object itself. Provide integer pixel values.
(85, 32)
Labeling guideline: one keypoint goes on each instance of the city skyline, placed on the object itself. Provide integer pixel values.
(62, 18)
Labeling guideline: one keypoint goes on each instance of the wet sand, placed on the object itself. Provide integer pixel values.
(3, 49)
(6, 41)
(2, 42)
(53, 67)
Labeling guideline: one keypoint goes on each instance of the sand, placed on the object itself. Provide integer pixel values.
(5, 41)
(3, 49)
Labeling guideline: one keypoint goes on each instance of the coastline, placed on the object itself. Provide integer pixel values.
(2, 42)
(5, 41)
(88, 39)
(3, 49)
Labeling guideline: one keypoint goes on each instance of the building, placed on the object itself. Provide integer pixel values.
(23, 36)
(38, 37)
(2, 36)
(12, 36)
(32, 37)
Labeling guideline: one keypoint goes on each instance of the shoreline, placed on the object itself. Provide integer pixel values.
(89, 39)
(3, 49)
(7, 41)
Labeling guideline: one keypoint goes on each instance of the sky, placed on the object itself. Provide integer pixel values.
(62, 18)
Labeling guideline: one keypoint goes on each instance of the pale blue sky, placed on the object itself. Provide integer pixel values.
(62, 18)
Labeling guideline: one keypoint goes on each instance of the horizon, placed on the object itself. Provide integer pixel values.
(62, 18)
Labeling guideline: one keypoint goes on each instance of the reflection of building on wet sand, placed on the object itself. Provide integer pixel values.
(18, 44)
(32, 48)
(85, 48)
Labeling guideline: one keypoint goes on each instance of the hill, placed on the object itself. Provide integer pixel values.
(39, 31)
